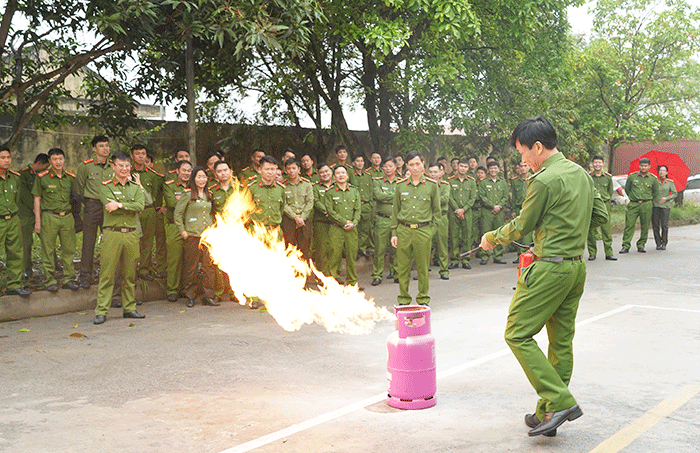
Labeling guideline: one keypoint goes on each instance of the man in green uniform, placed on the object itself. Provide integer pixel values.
(462, 197)
(26, 208)
(252, 172)
(560, 206)
(642, 188)
(322, 223)
(518, 189)
(122, 200)
(268, 195)
(343, 205)
(220, 194)
(341, 153)
(604, 184)
(52, 218)
(473, 164)
(362, 180)
(480, 175)
(10, 226)
(416, 213)
(297, 222)
(172, 191)
(662, 208)
(435, 171)
(171, 175)
(376, 160)
(493, 194)
(90, 175)
(384, 190)
(307, 168)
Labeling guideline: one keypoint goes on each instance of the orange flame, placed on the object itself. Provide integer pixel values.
(258, 264)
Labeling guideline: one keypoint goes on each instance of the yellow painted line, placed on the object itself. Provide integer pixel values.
(629, 433)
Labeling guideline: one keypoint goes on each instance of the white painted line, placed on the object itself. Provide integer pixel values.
(687, 310)
(323, 418)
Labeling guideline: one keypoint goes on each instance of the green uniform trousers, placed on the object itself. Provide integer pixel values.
(476, 228)
(643, 212)
(413, 243)
(382, 241)
(342, 241)
(605, 233)
(441, 237)
(148, 231)
(63, 227)
(11, 238)
(547, 294)
(174, 241)
(161, 244)
(321, 242)
(27, 226)
(119, 250)
(222, 283)
(461, 231)
(491, 222)
(364, 228)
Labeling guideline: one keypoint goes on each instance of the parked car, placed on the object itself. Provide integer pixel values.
(691, 194)
(619, 195)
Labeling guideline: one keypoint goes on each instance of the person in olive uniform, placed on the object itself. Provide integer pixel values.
(308, 169)
(362, 180)
(518, 189)
(662, 208)
(268, 195)
(52, 218)
(179, 156)
(604, 184)
(90, 175)
(248, 174)
(26, 208)
(479, 175)
(343, 205)
(462, 197)
(172, 192)
(220, 193)
(297, 222)
(375, 169)
(10, 225)
(322, 223)
(493, 195)
(122, 199)
(415, 217)
(384, 190)
(443, 227)
(341, 153)
(193, 214)
(560, 207)
(642, 187)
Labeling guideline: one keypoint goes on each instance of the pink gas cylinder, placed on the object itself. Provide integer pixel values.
(411, 362)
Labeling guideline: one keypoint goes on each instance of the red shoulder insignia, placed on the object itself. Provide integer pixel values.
(170, 181)
(24, 169)
(304, 179)
(69, 173)
(109, 181)
(215, 187)
(87, 161)
(43, 173)
(285, 181)
(187, 189)
(159, 174)
(15, 172)
(283, 186)
(172, 171)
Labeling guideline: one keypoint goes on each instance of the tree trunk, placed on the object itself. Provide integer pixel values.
(191, 112)
(613, 144)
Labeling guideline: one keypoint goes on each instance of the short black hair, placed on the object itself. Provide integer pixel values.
(55, 151)
(257, 150)
(219, 162)
(269, 159)
(340, 166)
(4, 148)
(99, 139)
(412, 155)
(149, 156)
(441, 158)
(464, 161)
(118, 155)
(454, 159)
(388, 159)
(138, 146)
(339, 147)
(355, 156)
(181, 163)
(291, 161)
(531, 130)
(645, 160)
(375, 152)
(435, 164)
(211, 154)
(493, 163)
(175, 154)
(41, 158)
(321, 165)
(307, 154)
(480, 167)
(597, 157)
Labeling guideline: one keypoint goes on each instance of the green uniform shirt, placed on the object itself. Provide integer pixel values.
(313, 177)
(130, 195)
(9, 193)
(415, 203)
(172, 191)
(445, 195)
(518, 189)
(642, 188)
(384, 191)
(152, 183)
(248, 174)
(269, 200)
(560, 206)
(26, 199)
(220, 196)
(462, 192)
(363, 183)
(90, 176)
(493, 193)
(343, 205)
(320, 213)
(667, 188)
(54, 191)
(193, 216)
(604, 184)
(298, 199)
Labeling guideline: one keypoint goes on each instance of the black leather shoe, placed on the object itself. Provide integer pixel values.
(624, 250)
(85, 284)
(484, 262)
(172, 297)
(641, 250)
(52, 288)
(18, 292)
(553, 420)
(444, 277)
(516, 261)
(71, 285)
(145, 276)
(611, 258)
(466, 266)
(532, 421)
(453, 266)
(134, 315)
(499, 262)
(100, 319)
(663, 247)
(658, 247)
(376, 282)
(591, 257)
(190, 303)
(396, 280)
(116, 303)
(390, 276)
(210, 302)
(27, 274)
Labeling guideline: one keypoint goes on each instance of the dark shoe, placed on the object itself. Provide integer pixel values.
(145, 276)
(85, 284)
(390, 276)
(376, 282)
(134, 315)
(624, 250)
(453, 266)
(116, 303)
(466, 266)
(516, 261)
(211, 302)
(172, 297)
(641, 250)
(52, 288)
(71, 285)
(444, 277)
(18, 292)
(484, 262)
(27, 274)
(553, 420)
(658, 247)
(611, 258)
(396, 280)
(499, 262)
(663, 247)
(591, 257)
(360, 288)
(190, 303)
(139, 302)
(100, 319)
(532, 421)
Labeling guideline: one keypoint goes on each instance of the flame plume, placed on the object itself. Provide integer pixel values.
(258, 264)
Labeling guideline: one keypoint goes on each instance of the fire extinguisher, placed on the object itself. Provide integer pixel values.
(525, 259)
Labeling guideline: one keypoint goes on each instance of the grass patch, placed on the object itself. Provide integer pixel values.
(688, 214)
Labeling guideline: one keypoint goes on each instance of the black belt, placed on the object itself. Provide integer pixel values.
(414, 225)
(61, 213)
(91, 199)
(8, 216)
(383, 215)
(557, 259)
(119, 230)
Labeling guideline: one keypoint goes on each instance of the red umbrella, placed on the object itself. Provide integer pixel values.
(678, 171)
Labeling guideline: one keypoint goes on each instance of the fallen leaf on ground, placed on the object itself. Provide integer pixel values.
(182, 311)
(75, 326)
(76, 334)
(23, 330)
(132, 325)
(82, 313)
